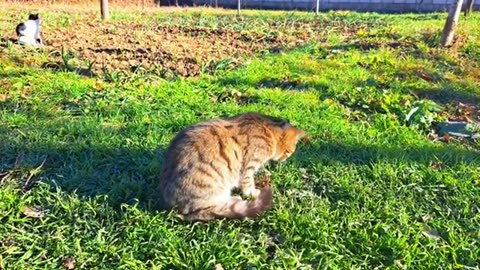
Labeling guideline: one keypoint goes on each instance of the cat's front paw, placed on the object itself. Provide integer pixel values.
(254, 192)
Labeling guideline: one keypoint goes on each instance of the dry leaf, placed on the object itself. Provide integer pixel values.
(438, 165)
(98, 85)
(426, 218)
(400, 264)
(25, 94)
(69, 263)
(35, 212)
(445, 138)
(218, 266)
(214, 99)
(431, 233)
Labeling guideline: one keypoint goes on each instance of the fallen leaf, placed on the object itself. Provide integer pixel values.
(69, 263)
(98, 85)
(438, 165)
(445, 138)
(431, 233)
(25, 94)
(400, 264)
(218, 266)
(34, 212)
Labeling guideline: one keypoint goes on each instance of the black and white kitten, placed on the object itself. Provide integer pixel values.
(29, 31)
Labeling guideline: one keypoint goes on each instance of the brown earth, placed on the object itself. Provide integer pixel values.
(181, 50)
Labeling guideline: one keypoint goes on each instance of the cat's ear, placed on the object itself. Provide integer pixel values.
(295, 133)
(301, 133)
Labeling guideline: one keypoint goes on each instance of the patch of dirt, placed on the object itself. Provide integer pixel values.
(128, 47)
(463, 112)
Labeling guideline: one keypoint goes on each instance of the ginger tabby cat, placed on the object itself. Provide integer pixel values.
(207, 160)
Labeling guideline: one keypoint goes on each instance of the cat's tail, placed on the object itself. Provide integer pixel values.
(236, 208)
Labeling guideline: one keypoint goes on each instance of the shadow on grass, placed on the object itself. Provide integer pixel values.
(124, 174)
(433, 156)
(445, 93)
(57, 66)
(443, 90)
(331, 152)
(127, 174)
(4, 42)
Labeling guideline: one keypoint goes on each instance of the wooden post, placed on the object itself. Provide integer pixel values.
(104, 9)
(468, 7)
(451, 23)
(317, 8)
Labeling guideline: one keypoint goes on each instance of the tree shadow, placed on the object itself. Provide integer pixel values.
(444, 90)
(333, 151)
(446, 93)
(124, 174)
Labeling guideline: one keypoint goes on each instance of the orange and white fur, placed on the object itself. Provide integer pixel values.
(207, 160)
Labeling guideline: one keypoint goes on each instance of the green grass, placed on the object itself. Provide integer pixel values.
(368, 190)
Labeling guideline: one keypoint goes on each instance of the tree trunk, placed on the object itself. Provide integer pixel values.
(317, 7)
(451, 23)
(469, 7)
(104, 9)
(239, 3)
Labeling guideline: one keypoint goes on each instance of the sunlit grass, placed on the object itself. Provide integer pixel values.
(367, 189)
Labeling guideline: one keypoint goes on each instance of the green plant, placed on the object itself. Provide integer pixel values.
(423, 114)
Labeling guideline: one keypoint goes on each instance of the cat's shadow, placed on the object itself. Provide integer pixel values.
(130, 175)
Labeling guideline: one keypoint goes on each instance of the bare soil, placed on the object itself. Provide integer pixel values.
(181, 50)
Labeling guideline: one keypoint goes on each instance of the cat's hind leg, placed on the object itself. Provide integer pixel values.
(205, 214)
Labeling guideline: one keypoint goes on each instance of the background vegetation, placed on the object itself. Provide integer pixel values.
(82, 135)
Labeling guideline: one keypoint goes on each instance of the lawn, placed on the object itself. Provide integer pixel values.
(84, 123)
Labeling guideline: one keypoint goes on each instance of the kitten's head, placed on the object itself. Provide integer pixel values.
(287, 142)
(34, 17)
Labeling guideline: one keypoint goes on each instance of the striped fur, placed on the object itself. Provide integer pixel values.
(205, 161)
